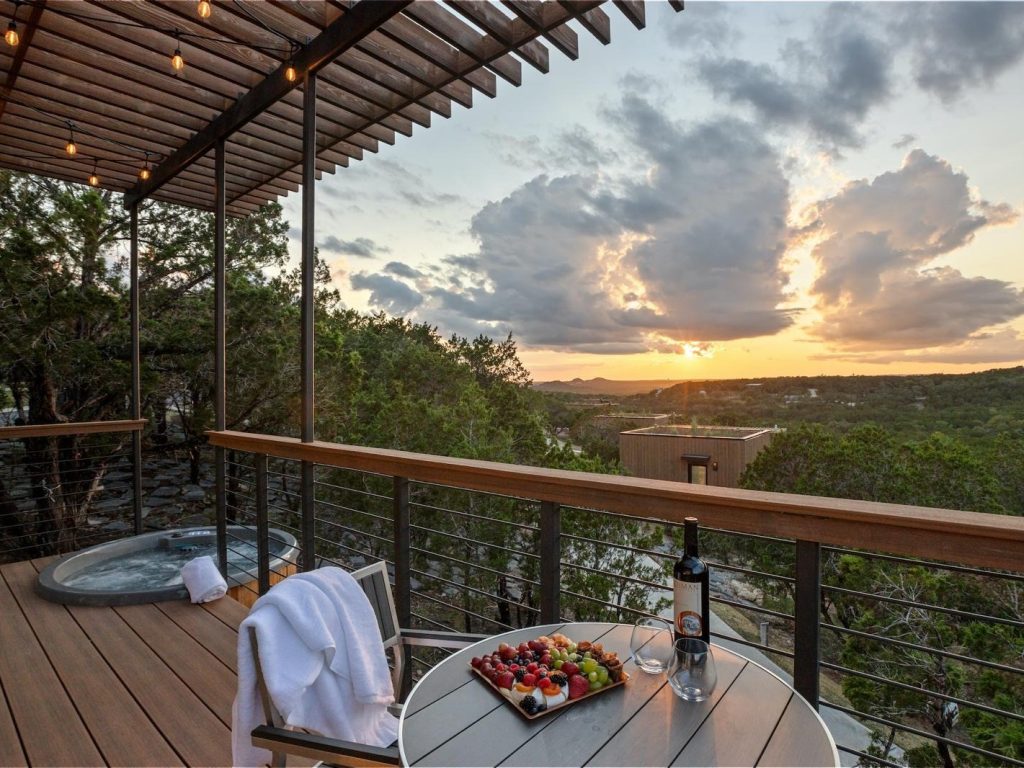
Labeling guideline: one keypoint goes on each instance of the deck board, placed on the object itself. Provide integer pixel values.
(145, 685)
(118, 725)
(48, 724)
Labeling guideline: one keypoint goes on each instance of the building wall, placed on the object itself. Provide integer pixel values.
(659, 457)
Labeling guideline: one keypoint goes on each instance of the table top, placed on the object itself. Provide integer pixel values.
(753, 717)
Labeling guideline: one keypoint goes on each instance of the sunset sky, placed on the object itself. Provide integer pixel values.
(738, 190)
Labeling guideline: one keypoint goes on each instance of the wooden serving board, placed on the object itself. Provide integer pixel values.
(549, 710)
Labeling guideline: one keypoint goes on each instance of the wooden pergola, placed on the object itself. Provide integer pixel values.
(225, 105)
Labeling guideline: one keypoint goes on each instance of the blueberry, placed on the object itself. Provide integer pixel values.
(520, 674)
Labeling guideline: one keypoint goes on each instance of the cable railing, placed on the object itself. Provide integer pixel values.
(67, 486)
(868, 607)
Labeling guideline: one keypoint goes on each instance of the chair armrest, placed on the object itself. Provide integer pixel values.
(323, 748)
(439, 639)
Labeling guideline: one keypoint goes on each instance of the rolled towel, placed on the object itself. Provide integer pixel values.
(203, 580)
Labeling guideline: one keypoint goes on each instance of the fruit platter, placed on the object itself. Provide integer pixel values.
(548, 673)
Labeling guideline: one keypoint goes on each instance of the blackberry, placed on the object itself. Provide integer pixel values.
(520, 674)
(559, 678)
(529, 705)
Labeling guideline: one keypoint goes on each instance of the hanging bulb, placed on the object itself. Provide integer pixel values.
(12, 37)
(205, 9)
(144, 173)
(177, 60)
(290, 73)
(71, 148)
(94, 179)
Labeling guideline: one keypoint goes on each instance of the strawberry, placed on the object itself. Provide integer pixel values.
(579, 685)
(569, 669)
(529, 679)
(533, 666)
(505, 680)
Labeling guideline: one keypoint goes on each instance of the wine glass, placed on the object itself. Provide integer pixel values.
(651, 644)
(691, 672)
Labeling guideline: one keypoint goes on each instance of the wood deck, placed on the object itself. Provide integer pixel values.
(131, 686)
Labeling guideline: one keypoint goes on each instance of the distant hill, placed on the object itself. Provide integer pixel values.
(600, 386)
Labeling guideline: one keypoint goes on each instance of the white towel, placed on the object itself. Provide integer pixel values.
(203, 580)
(323, 662)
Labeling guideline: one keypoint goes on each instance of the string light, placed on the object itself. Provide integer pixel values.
(71, 148)
(144, 173)
(94, 179)
(177, 60)
(290, 73)
(205, 9)
(11, 35)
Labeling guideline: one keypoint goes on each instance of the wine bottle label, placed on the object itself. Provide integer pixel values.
(689, 622)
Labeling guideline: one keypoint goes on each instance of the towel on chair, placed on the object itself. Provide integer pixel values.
(323, 662)
(203, 580)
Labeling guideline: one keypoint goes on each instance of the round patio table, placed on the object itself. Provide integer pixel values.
(753, 717)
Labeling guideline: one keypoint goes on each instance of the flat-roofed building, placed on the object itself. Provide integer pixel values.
(692, 454)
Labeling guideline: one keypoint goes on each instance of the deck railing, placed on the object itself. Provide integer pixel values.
(66, 486)
(482, 546)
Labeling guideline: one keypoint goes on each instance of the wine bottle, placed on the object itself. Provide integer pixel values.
(692, 615)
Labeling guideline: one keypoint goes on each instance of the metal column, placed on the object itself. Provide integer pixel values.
(806, 643)
(220, 350)
(308, 311)
(136, 394)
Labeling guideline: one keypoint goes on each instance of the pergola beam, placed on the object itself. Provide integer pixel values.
(19, 55)
(340, 36)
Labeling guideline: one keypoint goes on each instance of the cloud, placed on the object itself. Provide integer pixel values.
(876, 286)
(402, 270)
(361, 247)
(826, 85)
(705, 26)
(958, 45)
(1003, 346)
(386, 293)
(571, 150)
(904, 141)
(685, 249)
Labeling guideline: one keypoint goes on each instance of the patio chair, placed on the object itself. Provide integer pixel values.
(282, 741)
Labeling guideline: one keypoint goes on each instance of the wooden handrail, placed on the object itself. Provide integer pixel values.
(71, 428)
(969, 538)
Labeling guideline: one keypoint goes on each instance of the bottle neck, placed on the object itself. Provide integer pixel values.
(690, 540)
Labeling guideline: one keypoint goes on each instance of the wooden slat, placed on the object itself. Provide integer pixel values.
(503, 29)
(49, 726)
(632, 10)
(11, 752)
(200, 737)
(70, 428)
(227, 612)
(121, 730)
(596, 22)
(792, 745)
(27, 33)
(535, 14)
(215, 636)
(970, 538)
(205, 675)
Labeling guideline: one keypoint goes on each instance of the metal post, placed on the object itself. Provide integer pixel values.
(550, 562)
(308, 312)
(220, 351)
(262, 525)
(136, 395)
(403, 578)
(806, 645)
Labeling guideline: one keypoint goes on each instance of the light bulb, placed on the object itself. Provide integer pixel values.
(205, 9)
(94, 180)
(12, 37)
(290, 73)
(177, 60)
(144, 174)
(71, 148)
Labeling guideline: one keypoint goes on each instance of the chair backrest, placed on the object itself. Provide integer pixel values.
(377, 586)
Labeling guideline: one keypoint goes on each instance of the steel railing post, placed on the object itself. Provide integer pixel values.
(403, 576)
(136, 400)
(807, 642)
(262, 525)
(308, 316)
(220, 350)
(550, 562)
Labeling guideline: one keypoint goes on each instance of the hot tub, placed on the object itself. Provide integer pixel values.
(147, 568)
